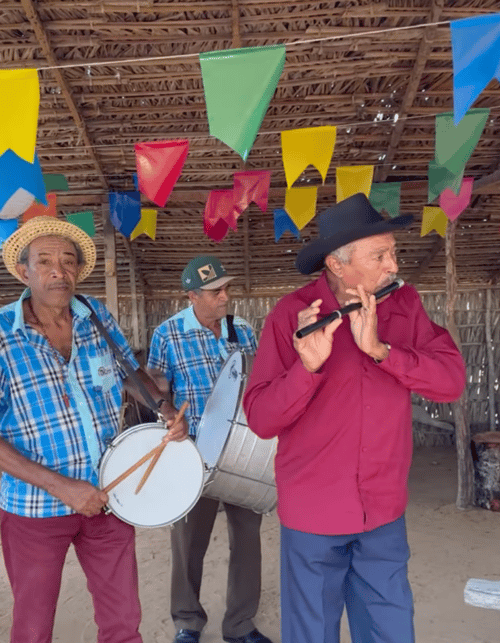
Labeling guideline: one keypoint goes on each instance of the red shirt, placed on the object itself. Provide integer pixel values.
(345, 432)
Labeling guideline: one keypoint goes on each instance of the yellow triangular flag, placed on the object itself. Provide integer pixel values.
(146, 225)
(300, 205)
(354, 179)
(19, 111)
(308, 146)
(433, 219)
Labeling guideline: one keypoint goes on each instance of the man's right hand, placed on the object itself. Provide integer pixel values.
(81, 496)
(315, 348)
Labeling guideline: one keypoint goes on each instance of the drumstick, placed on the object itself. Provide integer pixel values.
(131, 469)
(157, 455)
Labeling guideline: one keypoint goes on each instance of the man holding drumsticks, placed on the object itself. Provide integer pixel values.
(60, 398)
(190, 349)
(339, 400)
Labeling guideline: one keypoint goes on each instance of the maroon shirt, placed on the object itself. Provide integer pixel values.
(345, 432)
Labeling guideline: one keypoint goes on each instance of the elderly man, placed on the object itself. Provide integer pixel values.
(339, 400)
(60, 396)
(190, 349)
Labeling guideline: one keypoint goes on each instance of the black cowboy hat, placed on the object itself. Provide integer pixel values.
(351, 219)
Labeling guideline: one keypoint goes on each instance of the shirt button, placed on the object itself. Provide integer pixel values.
(364, 449)
(367, 407)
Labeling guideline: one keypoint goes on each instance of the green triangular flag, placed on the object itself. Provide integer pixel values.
(84, 220)
(239, 84)
(440, 178)
(455, 143)
(55, 182)
(386, 196)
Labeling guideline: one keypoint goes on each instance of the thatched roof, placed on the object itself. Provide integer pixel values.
(110, 78)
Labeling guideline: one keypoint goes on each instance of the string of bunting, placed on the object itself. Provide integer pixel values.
(239, 85)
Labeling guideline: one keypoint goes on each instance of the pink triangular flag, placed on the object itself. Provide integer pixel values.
(159, 164)
(218, 209)
(454, 204)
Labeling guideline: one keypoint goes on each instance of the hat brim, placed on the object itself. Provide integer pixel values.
(45, 226)
(312, 257)
(218, 283)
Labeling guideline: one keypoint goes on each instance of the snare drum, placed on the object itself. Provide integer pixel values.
(239, 465)
(172, 488)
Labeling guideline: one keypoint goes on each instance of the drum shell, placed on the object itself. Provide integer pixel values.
(244, 474)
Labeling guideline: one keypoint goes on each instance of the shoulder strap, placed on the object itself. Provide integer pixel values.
(232, 335)
(119, 355)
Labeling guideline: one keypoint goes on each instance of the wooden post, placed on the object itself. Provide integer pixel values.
(134, 309)
(110, 266)
(491, 361)
(465, 491)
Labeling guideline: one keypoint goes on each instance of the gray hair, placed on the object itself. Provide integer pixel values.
(344, 253)
(25, 252)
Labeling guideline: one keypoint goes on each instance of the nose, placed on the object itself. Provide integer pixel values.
(223, 296)
(58, 269)
(392, 264)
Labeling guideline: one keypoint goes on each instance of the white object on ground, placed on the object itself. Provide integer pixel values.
(483, 593)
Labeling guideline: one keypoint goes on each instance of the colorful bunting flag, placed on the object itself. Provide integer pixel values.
(147, 224)
(475, 44)
(354, 179)
(282, 223)
(309, 146)
(124, 211)
(55, 182)
(218, 210)
(7, 227)
(159, 165)
(251, 186)
(300, 204)
(440, 178)
(386, 196)
(20, 93)
(453, 205)
(433, 219)
(84, 220)
(39, 209)
(21, 183)
(239, 85)
(455, 143)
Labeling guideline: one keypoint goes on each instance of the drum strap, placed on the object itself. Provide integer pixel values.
(232, 335)
(148, 398)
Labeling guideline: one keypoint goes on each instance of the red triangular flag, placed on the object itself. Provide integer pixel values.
(251, 186)
(159, 164)
(218, 209)
(38, 209)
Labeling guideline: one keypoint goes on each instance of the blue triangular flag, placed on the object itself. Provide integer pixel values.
(7, 227)
(475, 46)
(124, 211)
(282, 223)
(20, 176)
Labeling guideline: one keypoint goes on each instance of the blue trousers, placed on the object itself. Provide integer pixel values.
(366, 573)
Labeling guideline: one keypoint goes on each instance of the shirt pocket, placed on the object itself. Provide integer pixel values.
(102, 371)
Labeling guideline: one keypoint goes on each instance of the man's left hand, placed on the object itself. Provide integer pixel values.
(364, 324)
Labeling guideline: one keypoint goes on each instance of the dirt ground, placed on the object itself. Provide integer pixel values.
(448, 547)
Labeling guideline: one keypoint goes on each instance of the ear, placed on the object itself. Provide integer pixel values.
(22, 270)
(334, 265)
(192, 296)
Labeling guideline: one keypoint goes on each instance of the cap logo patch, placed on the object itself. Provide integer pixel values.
(206, 273)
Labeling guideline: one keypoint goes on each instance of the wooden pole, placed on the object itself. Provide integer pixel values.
(491, 361)
(134, 309)
(111, 280)
(465, 491)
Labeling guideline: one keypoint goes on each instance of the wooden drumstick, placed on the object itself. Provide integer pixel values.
(131, 469)
(157, 455)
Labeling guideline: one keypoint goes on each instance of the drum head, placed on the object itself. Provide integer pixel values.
(173, 487)
(220, 410)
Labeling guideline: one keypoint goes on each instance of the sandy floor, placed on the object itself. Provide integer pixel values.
(449, 547)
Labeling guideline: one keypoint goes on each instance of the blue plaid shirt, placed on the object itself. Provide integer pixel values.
(33, 416)
(191, 357)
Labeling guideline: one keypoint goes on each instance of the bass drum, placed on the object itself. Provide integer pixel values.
(171, 490)
(239, 466)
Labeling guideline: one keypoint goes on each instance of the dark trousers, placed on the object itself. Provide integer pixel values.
(365, 573)
(34, 551)
(190, 538)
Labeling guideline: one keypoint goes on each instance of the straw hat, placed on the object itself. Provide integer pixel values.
(44, 226)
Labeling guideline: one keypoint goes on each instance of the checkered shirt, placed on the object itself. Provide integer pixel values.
(191, 358)
(33, 416)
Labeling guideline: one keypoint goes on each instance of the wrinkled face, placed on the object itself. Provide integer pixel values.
(210, 305)
(51, 271)
(373, 264)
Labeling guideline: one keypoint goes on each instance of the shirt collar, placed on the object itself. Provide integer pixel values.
(78, 309)
(191, 322)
